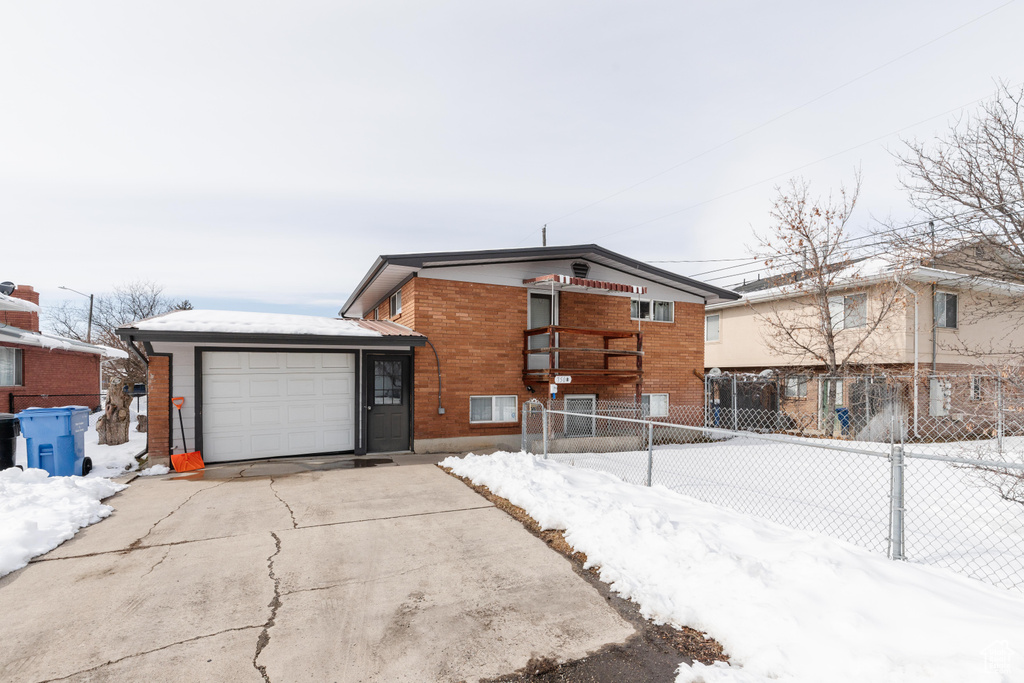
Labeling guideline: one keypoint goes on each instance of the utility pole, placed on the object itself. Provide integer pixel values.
(544, 235)
(88, 332)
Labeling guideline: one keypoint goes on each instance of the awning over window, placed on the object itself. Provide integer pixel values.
(582, 284)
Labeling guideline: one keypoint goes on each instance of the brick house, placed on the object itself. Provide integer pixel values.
(621, 329)
(43, 370)
(434, 353)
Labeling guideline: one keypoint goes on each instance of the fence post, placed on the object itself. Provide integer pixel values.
(999, 413)
(544, 424)
(650, 450)
(522, 440)
(735, 420)
(896, 504)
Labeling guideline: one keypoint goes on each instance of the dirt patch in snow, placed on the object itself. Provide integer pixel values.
(653, 654)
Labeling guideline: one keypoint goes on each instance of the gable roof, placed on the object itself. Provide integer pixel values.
(389, 271)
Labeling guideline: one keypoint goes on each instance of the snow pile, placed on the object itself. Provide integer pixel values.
(155, 471)
(38, 513)
(788, 606)
(253, 323)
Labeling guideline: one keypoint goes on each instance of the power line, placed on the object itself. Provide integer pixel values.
(744, 262)
(794, 170)
(779, 116)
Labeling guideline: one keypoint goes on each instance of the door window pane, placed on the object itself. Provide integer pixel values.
(387, 382)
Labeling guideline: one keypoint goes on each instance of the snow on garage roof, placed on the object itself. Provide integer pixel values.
(248, 326)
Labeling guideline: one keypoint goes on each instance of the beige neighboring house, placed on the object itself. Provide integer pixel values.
(965, 326)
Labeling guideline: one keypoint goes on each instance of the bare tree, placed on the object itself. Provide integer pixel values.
(826, 312)
(128, 303)
(970, 184)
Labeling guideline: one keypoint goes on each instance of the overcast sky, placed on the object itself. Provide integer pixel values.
(259, 156)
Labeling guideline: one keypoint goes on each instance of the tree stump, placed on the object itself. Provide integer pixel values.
(143, 423)
(112, 427)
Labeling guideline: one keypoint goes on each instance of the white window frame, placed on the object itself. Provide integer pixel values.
(801, 381)
(16, 360)
(863, 296)
(718, 335)
(650, 310)
(395, 304)
(837, 307)
(493, 409)
(935, 301)
(647, 412)
(976, 388)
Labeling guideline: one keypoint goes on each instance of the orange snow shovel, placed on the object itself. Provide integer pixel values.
(185, 462)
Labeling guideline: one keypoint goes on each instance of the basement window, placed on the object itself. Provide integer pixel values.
(493, 408)
(654, 405)
(796, 387)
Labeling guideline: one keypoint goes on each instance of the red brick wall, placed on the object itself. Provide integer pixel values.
(159, 400)
(22, 319)
(478, 332)
(47, 371)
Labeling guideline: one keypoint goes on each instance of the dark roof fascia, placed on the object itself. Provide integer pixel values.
(127, 333)
(488, 256)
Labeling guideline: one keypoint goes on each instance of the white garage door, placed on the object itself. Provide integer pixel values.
(264, 405)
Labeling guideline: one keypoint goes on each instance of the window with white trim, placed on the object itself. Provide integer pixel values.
(654, 405)
(652, 309)
(395, 304)
(946, 310)
(493, 408)
(796, 386)
(10, 367)
(712, 325)
(848, 312)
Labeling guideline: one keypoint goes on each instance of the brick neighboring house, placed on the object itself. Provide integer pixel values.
(622, 329)
(436, 352)
(43, 370)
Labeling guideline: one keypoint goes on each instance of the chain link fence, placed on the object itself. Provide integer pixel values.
(18, 402)
(949, 494)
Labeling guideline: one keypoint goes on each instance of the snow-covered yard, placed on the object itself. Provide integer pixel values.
(788, 605)
(954, 518)
(38, 512)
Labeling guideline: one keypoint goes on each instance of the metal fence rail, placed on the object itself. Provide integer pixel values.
(955, 504)
(18, 402)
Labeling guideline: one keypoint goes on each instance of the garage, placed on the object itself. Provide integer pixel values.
(262, 385)
(260, 404)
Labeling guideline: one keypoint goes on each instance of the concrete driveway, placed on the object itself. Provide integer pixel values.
(298, 571)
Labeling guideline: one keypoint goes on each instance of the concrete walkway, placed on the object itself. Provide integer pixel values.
(298, 571)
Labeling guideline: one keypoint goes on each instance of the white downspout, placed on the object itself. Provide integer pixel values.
(916, 353)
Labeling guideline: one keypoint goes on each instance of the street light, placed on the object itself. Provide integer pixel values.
(88, 332)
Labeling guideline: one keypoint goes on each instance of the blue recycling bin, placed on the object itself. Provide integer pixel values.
(844, 420)
(56, 439)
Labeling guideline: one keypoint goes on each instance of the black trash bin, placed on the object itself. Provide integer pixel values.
(10, 429)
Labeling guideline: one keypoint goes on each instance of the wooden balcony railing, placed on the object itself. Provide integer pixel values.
(590, 364)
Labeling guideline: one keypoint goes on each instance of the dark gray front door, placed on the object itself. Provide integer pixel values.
(388, 399)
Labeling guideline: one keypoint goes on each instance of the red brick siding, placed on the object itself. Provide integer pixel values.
(478, 332)
(22, 319)
(159, 399)
(47, 371)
